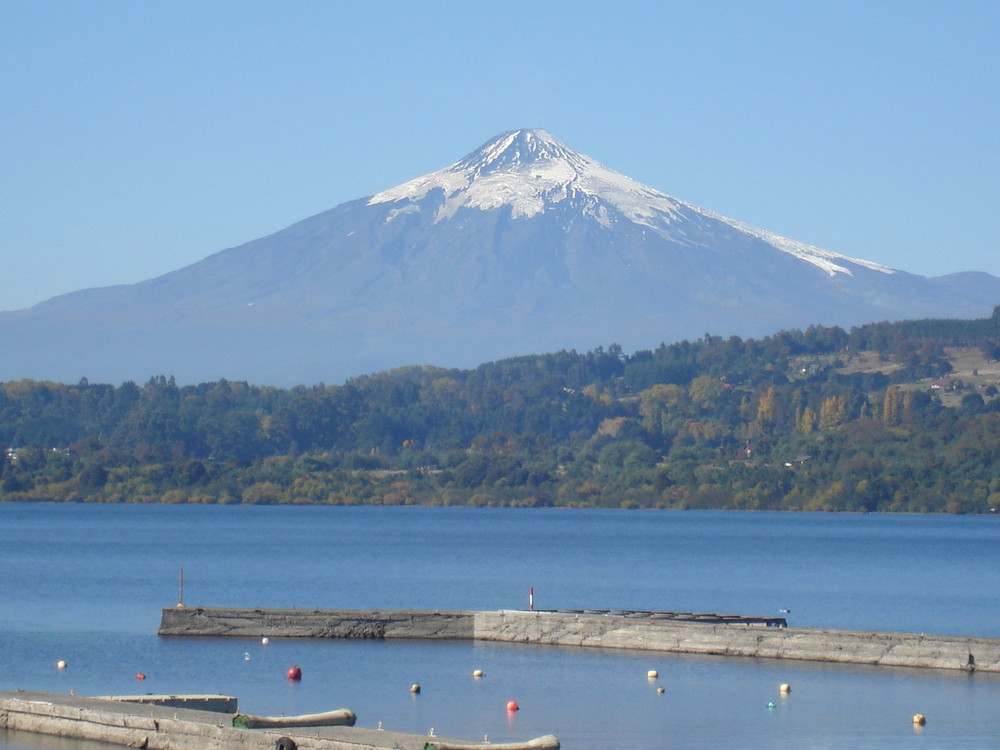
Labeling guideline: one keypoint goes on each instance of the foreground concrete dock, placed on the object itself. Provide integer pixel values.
(159, 727)
(669, 632)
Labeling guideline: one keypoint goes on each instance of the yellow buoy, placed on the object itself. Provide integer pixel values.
(785, 687)
(919, 720)
(652, 674)
(415, 688)
(60, 664)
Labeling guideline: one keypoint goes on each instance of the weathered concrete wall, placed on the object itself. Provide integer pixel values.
(162, 728)
(599, 630)
(853, 647)
(129, 724)
(304, 623)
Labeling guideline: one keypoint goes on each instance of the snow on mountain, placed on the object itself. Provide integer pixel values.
(530, 170)
(830, 262)
(523, 246)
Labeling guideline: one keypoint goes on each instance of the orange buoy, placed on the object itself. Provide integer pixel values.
(294, 673)
(512, 706)
(140, 676)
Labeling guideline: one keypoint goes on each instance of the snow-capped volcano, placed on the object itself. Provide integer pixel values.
(522, 246)
(529, 170)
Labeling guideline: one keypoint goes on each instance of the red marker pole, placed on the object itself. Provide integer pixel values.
(531, 598)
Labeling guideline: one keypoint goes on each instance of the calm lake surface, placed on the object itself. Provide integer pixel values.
(85, 584)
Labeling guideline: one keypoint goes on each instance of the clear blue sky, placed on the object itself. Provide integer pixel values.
(139, 137)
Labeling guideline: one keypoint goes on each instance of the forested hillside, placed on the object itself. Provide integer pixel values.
(885, 417)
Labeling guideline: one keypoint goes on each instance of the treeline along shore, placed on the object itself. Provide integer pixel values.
(884, 417)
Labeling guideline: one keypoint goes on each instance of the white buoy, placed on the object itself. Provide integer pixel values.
(246, 656)
(785, 688)
(415, 688)
(60, 664)
(477, 673)
(661, 690)
(265, 640)
(652, 674)
(919, 720)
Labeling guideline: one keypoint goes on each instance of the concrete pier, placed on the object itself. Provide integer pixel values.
(649, 631)
(155, 727)
(317, 623)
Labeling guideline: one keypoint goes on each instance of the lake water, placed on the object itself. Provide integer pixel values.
(85, 584)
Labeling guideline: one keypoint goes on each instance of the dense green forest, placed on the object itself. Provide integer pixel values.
(879, 418)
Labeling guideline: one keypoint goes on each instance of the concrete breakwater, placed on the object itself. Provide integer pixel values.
(316, 623)
(149, 726)
(163, 727)
(649, 631)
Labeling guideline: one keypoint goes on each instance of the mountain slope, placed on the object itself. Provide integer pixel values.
(522, 246)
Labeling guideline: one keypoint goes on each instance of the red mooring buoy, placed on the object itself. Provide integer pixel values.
(140, 676)
(294, 673)
(512, 706)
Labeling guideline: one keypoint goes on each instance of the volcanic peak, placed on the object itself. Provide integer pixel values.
(530, 170)
(521, 149)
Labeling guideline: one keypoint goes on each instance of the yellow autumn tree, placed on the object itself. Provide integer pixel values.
(657, 403)
(832, 412)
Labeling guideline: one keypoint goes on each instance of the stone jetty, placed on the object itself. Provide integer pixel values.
(165, 727)
(671, 632)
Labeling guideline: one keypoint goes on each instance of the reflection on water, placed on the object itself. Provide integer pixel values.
(11, 740)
